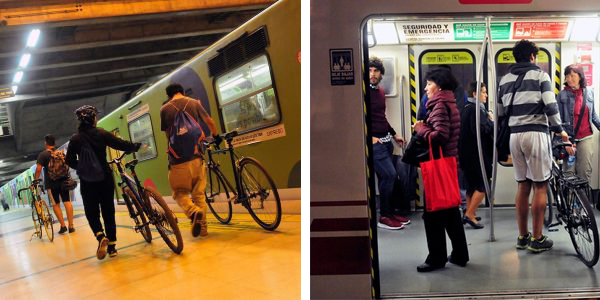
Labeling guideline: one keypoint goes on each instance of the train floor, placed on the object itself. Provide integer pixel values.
(233, 261)
(495, 268)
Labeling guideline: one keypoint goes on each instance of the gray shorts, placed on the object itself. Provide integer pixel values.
(531, 156)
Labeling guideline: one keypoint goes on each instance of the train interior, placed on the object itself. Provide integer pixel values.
(410, 46)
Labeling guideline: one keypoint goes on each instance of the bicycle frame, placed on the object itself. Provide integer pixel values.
(126, 181)
(211, 164)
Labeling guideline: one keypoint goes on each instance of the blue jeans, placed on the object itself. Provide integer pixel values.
(386, 173)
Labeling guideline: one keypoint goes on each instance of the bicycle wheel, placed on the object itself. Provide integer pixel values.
(36, 225)
(165, 221)
(583, 229)
(138, 216)
(550, 193)
(47, 220)
(217, 197)
(261, 197)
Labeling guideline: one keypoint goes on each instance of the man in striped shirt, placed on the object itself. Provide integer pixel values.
(531, 108)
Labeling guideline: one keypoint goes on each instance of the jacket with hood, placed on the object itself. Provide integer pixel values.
(533, 105)
(441, 127)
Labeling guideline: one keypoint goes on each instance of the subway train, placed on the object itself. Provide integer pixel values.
(248, 81)
(350, 256)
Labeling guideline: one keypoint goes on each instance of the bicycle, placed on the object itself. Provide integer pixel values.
(254, 187)
(146, 206)
(40, 213)
(570, 195)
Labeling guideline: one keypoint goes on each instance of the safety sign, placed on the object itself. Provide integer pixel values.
(341, 66)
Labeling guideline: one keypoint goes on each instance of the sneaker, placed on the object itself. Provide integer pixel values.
(112, 250)
(389, 223)
(543, 244)
(401, 219)
(62, 230)
(71, 230)
(102, 248)
(203, 228)
(196, 224)
(524, 241)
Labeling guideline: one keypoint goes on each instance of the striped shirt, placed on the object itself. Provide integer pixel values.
(534, 104)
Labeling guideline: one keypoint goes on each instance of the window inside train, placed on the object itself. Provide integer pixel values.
(388, 82)
(461, 62)
(505, 58)
(140, 131)
(246, 96)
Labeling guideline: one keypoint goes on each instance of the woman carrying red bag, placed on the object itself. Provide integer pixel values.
(441, 126)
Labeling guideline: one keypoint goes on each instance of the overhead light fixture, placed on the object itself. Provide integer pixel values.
(18, 77)
(33, 38)
(24, 60)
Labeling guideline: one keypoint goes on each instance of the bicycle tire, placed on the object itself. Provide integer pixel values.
(161, 216)
(139, 217)
(217, 197)
(550, 196)
(583, 229)
(36, 225)
(263, 204)
(48, 221)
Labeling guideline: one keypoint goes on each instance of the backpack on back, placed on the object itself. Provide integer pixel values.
(57, 168)
(89, 167)
(185, 136)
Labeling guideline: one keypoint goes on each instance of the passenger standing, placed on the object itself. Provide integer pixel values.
(187, 175)
(532, 106)
(442, 125)
(87, 154)
(461, 101)
(571, 101)
(53, 181)
(468, 152)
(383, 133)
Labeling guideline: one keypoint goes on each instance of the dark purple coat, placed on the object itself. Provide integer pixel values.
(443, 129)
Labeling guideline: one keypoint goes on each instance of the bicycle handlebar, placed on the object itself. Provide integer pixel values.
(116, 160)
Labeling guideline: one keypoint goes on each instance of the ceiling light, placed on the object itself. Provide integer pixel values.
(24, 60)
(32, 40)
(18, 77)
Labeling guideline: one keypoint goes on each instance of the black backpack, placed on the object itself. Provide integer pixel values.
(89, 168)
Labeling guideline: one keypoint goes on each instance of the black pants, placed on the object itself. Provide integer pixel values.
(437, 223)
(98, 197)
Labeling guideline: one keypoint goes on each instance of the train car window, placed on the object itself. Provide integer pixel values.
(461, 61)
(246, 96)
(504, 59)
(140, 131)
(388, 83)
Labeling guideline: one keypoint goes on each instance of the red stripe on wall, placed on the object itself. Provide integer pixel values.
(342, 224)
(339, 203)
(340, 255)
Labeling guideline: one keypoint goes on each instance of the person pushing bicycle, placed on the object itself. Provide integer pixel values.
(180, 120)
(87, 154)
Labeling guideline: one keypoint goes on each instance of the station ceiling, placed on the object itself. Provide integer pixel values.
(95, 52)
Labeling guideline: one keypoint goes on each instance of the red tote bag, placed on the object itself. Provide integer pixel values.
(440, 182)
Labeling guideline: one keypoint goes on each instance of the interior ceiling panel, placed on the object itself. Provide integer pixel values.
(100, 58)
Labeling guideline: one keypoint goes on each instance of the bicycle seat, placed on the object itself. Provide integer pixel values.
(230, 135)
(561, 145)
(131, 163)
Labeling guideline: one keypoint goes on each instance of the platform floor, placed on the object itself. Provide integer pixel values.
(235, 261)
(495, 269)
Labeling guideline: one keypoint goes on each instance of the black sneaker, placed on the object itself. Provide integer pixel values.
(71, 230)
(63, 230)
(112, 250)
(102, 247)
(524, 241)
(196, 224)
(543, 244)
